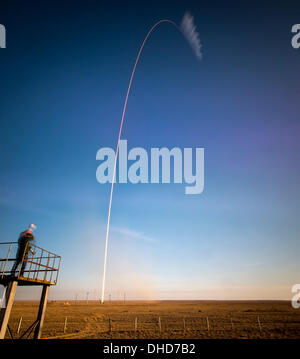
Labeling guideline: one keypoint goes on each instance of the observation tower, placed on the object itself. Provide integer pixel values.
(38, 267)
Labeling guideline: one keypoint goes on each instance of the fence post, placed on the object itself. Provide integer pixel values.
(231, 323)
(159, 324)
(135, 324)
(259, 323)
(19, 325)
(65, 326)
(207, 321)
(183, 322)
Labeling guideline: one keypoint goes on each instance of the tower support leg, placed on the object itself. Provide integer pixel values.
(41, 313)
(5, 312)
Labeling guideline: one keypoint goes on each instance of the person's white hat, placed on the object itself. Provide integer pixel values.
(32, 227)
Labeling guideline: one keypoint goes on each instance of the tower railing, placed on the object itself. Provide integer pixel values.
(32, 265)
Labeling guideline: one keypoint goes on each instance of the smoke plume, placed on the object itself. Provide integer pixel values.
(189, 30)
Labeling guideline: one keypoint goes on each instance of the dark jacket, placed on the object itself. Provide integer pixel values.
(24, 243)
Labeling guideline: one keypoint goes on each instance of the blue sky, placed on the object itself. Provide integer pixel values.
(64, 77)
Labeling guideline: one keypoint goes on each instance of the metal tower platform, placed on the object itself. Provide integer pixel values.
(37, 267)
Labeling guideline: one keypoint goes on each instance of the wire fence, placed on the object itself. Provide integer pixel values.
(205, 323)
(159, 325)
(67, 319)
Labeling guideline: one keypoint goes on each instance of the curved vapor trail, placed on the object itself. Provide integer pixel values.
(181, 29)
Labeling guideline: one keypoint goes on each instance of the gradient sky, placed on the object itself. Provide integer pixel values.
(64, 77)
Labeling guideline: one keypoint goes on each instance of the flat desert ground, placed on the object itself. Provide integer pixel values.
(159, 319)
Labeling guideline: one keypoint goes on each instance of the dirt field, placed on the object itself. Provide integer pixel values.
(163, 319)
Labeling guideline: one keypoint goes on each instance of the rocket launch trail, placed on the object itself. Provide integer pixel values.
(188, 29)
